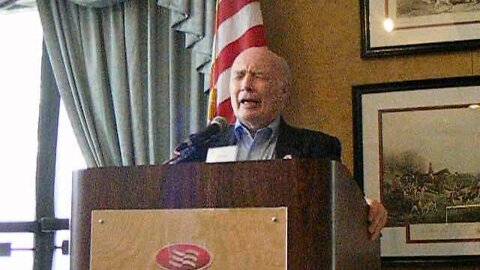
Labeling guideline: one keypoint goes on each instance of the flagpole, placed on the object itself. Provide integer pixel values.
(212, 99)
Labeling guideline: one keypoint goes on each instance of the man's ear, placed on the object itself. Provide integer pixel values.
(285, 87)
(285, 90)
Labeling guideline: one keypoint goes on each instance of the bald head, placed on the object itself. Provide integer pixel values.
(259, 87)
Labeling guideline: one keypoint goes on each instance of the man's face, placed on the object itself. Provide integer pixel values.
(258, 88)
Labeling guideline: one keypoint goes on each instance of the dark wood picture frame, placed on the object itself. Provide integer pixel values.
(368, 105)
(441, 35)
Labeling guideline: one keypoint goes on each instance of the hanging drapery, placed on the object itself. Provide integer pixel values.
(131, 92)
(194, 18)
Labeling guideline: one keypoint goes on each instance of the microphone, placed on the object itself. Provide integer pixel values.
(217, 125)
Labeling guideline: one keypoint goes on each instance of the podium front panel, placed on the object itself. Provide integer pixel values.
(236, 238)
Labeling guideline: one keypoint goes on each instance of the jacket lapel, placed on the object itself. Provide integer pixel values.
(287, 143)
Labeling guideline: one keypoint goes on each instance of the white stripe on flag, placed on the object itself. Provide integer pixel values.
(223, 82)
(234, 27)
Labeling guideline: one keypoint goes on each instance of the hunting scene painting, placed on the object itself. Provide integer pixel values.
(430, 164)
(413, 8)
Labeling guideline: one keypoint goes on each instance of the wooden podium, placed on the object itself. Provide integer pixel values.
(327, 214)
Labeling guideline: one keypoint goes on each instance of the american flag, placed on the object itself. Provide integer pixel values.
(238, 26)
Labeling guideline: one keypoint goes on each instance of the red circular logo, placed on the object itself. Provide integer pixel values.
(183, 257)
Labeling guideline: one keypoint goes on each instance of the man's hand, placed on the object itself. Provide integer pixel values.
(377, 215)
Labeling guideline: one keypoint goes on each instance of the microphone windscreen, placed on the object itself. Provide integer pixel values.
(221, 122)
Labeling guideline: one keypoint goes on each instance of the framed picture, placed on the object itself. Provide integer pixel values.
(417, 149)
(394, 27)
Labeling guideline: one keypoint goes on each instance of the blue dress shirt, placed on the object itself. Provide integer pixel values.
(259, 146)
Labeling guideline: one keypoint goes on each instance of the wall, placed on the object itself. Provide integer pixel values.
(321, 41)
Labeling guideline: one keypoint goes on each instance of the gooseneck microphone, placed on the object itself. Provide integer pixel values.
(217, 125)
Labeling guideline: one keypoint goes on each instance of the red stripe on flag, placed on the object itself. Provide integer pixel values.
(254, 37)
(225, 109)
(227, 8)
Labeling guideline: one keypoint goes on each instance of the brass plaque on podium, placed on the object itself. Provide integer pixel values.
(240, 238)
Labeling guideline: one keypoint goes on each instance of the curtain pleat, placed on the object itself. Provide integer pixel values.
(114, 49)
(126, 79)
(159, 100)
(102, 99)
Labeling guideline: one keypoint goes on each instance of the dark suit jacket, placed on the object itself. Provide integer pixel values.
(296, 142)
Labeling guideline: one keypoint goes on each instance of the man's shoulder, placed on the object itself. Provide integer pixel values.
(309, 143)
(305, 132)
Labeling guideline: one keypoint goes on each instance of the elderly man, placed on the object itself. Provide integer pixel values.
(259, 87)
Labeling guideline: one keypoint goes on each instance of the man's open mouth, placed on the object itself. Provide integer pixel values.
(247, 101)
